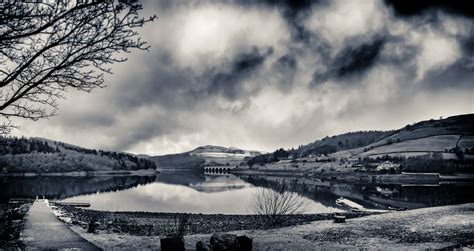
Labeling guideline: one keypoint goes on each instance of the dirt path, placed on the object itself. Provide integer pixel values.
(43, 230)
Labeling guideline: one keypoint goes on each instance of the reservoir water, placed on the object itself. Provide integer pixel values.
(185, 192)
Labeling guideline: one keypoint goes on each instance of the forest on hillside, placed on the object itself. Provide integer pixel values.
(455, 125)
(341, 142)
(325, 146)
(42, 156)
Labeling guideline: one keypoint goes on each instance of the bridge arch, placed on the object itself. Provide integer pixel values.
(217, 169)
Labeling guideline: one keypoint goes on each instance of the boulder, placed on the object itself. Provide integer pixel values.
(245, 243)
(230, 242)
(224, 242)
(339, 218)
(92, 226)
(18, 212)
(201, 246)
(172, 244)
(24, 209)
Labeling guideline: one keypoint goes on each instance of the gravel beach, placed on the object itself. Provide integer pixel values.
(427, 228)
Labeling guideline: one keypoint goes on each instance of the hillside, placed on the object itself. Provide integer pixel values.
(446, 136)
(341, 142)
(178, 161)
(451, 138)
(39, 155)
(203, 155)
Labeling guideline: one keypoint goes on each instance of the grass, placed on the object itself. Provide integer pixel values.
(429, 144)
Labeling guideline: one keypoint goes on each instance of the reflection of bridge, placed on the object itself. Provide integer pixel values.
(217, 169)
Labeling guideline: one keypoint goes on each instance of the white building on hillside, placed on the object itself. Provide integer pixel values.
(387, 165)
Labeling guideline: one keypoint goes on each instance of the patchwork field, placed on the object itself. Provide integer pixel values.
(429, 144)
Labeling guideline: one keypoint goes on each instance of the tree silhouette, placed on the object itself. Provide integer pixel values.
(276, 206)
(49, 47)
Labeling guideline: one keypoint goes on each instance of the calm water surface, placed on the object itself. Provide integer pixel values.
(227, 194)
(224, 194)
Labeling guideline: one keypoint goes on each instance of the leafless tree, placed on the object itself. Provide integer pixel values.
(51, 46)
(275, 206)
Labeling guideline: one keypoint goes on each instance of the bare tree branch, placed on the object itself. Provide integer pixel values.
(275, 206)
(50, 47)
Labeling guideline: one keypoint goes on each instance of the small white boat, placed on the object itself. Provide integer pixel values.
(351, 204)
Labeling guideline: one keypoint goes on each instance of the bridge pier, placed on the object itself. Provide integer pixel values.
(216, 170)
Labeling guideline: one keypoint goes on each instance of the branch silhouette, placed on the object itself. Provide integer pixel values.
(48, 48)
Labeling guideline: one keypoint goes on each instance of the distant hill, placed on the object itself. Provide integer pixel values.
(449, 137)
(325, 146)
(178, 161)
(203, 155)
(341, 142)
(43, 156)
(220, 151)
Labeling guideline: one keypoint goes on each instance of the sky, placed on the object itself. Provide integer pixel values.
(261, 75)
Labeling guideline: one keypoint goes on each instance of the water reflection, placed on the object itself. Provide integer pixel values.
(63, 187)
(227, 194)
(372, 195)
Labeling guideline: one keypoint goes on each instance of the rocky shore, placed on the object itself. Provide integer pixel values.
(427, 228)
(11, 221)
(162, 224)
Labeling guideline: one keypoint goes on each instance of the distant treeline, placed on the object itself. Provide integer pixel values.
(462, 125)
(324, 146)
(38, 155)
(120, 156)
(340, 142)
(13, 145)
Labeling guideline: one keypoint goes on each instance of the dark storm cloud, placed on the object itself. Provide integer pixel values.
(459, 75)
(285, 69)
(420, 7)
(158, 83)
(468, 45)
(176, 88)
(292, 10)
(357, 60)
(227, 82)
(293, 6)
(351, 61)
(148, 128)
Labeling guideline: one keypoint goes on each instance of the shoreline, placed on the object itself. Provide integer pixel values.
(160, 224)
(141, 172)
(364, 177)
(11, 223)
(427, 228)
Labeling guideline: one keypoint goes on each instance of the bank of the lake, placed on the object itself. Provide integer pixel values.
(161, 224)
(427, 228)
(11, 221)
(353, 175)
(141, 172)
